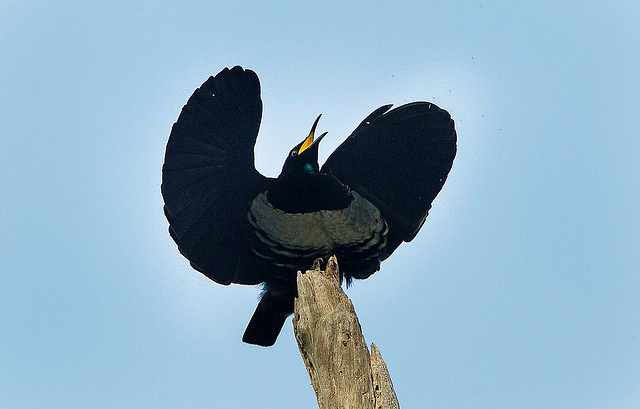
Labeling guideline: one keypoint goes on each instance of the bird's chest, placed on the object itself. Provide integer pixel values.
(308, 193)
(293, 240)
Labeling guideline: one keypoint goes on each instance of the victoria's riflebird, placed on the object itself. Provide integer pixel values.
(237, 226)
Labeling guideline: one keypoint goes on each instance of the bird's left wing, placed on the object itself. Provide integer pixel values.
(209, 178)
(398, 159)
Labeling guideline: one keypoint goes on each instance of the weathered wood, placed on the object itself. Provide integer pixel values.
(343, 373)
(385, 395)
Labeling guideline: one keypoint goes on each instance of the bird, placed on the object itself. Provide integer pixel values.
(235, 225)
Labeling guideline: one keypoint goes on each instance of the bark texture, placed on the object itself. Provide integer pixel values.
(343, 373)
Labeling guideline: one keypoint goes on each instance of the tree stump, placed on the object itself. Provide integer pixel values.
(343, 372)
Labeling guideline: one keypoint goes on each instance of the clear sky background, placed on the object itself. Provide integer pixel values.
(521, 291)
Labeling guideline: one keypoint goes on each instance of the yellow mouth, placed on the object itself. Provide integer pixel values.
(307, 142)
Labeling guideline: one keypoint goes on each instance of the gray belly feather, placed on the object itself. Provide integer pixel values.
(292, 239)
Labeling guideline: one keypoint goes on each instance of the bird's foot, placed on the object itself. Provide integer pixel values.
(317, 264)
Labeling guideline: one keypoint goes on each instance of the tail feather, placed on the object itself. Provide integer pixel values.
(269, 317)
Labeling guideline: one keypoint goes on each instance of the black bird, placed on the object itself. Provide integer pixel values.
(237, 226)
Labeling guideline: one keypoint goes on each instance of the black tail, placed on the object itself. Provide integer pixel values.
(269, 317)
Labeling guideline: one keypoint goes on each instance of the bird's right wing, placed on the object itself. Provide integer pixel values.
(209, 178)
(398, 160)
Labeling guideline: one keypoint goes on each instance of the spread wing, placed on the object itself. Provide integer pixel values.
(209, 178)
(398, 160)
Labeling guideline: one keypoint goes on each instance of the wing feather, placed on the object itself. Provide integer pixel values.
(209, 178)
(399, 160)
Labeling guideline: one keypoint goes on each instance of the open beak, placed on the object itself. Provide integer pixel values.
(310, 139)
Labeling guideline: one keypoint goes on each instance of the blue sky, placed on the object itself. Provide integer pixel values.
(521, 291)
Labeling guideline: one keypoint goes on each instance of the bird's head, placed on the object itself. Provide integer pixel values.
(303, 158)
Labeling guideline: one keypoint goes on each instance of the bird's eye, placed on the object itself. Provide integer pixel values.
(293, 153)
